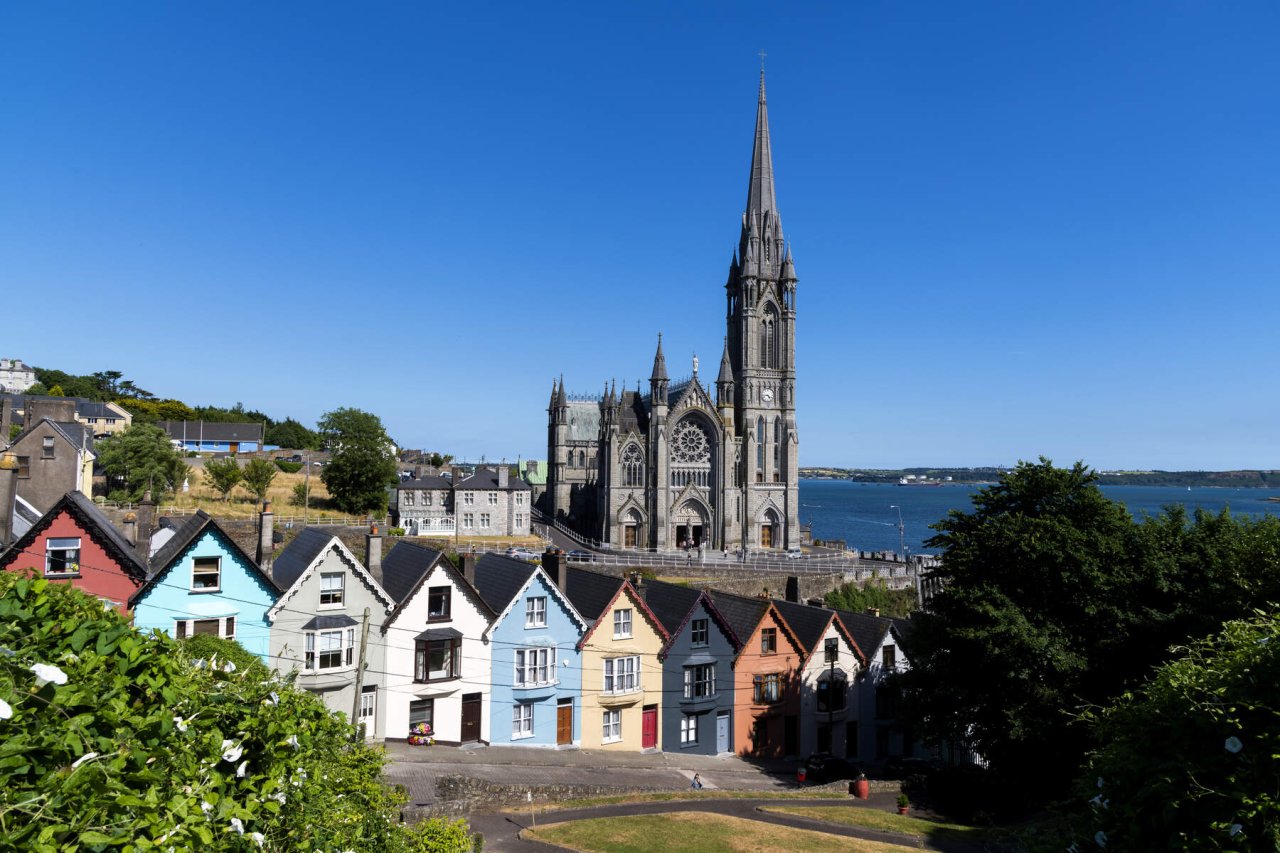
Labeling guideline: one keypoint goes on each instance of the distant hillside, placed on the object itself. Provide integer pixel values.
(1221, 479)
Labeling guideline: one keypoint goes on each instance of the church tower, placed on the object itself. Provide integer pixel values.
(761, 316)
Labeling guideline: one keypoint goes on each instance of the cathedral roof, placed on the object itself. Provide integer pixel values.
(584, 420)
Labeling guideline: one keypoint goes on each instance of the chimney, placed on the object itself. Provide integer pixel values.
(469, 568)
(55, 409)
(266, 531)
(6, 418)
(8, 496)
(637, 583)
(793, 589)
(455, 474)
(373, 553)
(554, 564)
(130, 525)
(146, 526)
(504, 476)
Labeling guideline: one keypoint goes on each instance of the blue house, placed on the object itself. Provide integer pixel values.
(202, 583)
(537, 668)
(697, 669)
(203, 437)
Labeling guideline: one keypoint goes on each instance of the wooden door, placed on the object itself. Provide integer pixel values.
(649, 727)
(470, 717)
(564, 723)
(766, 536)
(722, 732)
(629, 536)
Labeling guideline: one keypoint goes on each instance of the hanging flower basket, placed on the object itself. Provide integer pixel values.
(420, 734)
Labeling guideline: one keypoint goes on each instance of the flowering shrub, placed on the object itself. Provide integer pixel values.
(113, 739)
(1189, 761)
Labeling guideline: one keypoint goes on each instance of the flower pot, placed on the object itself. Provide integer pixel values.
(903, 809)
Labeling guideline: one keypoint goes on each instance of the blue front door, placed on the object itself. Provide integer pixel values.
(722, 732)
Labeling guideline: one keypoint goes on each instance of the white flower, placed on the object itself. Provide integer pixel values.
(230, 667)
(199, 664)
(207, 808)
(1100, 839)
(258, 838)
(231, 751)
(274, 697)
(293, 741)
(237, 825)
(1232, 745)
(241, 769)
(88, 756)
(279, 797)
(180, 723)
(1235, 829)
(7, 652)
(6, 710)
(46, 673)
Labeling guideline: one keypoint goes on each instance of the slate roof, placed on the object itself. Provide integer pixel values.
(25, 516)
(183, 537)
(294, 559)
(76, 434)
(499, 578)
(209, 431)
(487, 478)
(742, 613)
(431, 482)
(93, 522)
(584, 420)
(670, 602)
(635, 412)
(590, 592)
(868, 631)
(808, 622)
(403, 567)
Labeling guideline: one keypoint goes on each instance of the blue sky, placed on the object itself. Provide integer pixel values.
(1019, 228)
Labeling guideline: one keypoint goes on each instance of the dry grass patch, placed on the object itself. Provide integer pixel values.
(695, 832)
(674, 796)
(883, 821)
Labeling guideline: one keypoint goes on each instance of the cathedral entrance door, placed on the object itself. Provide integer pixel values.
(690, 524)
(766, 536)
(629, 536)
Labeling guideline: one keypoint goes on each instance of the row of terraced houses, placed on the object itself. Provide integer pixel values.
(496, 650)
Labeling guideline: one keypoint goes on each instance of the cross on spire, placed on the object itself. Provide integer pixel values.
(762, 56)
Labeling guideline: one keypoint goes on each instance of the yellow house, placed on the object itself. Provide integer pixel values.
(621, 673)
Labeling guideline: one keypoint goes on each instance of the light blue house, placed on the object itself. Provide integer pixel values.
(536, 698)
(201, 582)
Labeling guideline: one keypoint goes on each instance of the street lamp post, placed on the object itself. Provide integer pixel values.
(902, 532)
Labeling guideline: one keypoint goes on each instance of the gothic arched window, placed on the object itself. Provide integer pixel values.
(759, 450)
(582, 458)
(769, 338)
(777, 449)
(691, 446)
(632, 466)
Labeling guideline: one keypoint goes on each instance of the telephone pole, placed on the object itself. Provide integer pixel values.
(355, 705)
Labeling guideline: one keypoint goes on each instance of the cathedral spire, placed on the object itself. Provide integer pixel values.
(659, 363)
(561, 399)
(760, 197)
(726, 369)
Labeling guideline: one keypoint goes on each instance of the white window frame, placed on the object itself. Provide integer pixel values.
(688, 729)
(522, 720)
(217, 573)
(622, 618)
(621, 675)
(368, 709)
(319, 644)
(336, 596)
(519, 498)
(611, 731)
(493, 498)
(535, 611)
(486, 520)
(408, 497)
(184, 628)
(62, 545)
(535, 666)
(468, 521)
(700, 681)
(468, 498)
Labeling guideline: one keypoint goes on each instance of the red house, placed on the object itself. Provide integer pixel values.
(75, 543)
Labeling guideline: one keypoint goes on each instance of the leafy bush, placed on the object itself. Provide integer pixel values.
(395, 531)
(109, 738)
(288, 467)
(208, 647)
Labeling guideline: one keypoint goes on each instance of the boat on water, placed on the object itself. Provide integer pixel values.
(912, 480)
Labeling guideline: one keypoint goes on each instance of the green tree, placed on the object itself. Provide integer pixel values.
(873, 594)
(363, 463)
(56, 391)
(37, 390)
(293, 435)
(299, 495)
(257, 477)
(222, 475)
(1040, 604)
(1188, 762)
(142, 458)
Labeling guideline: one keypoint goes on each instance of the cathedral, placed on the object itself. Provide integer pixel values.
(689, 465)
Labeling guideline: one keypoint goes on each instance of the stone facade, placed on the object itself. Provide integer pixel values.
(693, 463)
(488, 503)
(15, 377)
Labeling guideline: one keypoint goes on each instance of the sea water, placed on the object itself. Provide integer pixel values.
(866, 515)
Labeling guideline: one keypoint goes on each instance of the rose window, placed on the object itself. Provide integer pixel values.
(690, 444)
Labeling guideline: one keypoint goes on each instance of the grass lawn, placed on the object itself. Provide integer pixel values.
(696, 832)
(884, 821)
(670, 796)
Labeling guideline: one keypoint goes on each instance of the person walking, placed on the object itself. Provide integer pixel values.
(696, 783)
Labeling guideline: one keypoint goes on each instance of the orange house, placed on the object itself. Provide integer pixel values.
(766, 677)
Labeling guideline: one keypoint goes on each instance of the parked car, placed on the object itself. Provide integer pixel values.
(795, 554)
(579, 556)
(823, 767)
(523, 554)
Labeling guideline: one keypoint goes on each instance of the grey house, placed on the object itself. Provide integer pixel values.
(316, 624)
(697, 670)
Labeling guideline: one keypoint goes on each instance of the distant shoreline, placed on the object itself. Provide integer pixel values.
(1259, 479)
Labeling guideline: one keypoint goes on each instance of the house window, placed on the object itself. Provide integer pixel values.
(522, 721)
(468, 498)
(698, 632)
(767, 689)
(689, 728)
(468, 521)
(622, 675)
(225, 628)
(437, 660)
(699, 681)
(206, 574)
(329, 649)
(485, 520)
(46, 447)
(889, 657)
(62, 557)
(612, 727)
(422, 711)
(438, 603)
(426, 499)
(622, 623)
(832, 687)
(768, 641)
(831, 650)
(520, 499)
(408, 498)
(24, 467)
(493, 499)
(886, 703)
(535, 612)
(535, 667)
(331, 588)
(368, 707)
(519, 520)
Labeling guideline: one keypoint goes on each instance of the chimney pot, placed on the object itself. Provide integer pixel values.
(373, 553)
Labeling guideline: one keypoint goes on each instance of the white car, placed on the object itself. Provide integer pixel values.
(795, 554)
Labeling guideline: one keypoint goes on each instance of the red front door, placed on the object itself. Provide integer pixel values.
(649, 727)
